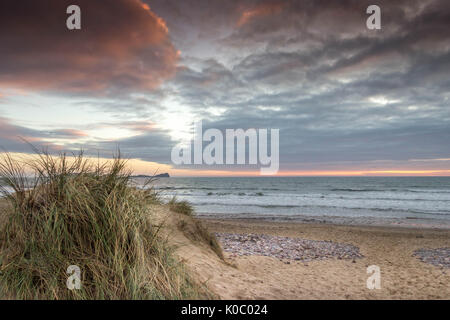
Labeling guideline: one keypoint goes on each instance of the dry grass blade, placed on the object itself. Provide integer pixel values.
(67, 210)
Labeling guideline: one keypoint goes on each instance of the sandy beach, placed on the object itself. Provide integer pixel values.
(403, 276)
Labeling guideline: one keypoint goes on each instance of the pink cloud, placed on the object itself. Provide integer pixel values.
(123, 45)
(260, 10)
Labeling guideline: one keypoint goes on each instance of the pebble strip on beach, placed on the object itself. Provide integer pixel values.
(438, 257)
(285, 248)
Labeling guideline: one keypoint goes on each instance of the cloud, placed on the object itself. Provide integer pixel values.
(260, 10)
(13, 137)
(67, 133)
(148, 143)
(122, 46)
(340, 94)
(337, 91)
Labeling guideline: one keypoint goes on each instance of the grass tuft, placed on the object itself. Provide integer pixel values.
(183, 207)
(194, 230)
(65, 211)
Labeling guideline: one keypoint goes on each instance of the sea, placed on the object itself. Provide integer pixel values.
(420, 202)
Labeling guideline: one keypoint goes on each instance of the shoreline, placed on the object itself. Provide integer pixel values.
(403, 275)
(317, 222)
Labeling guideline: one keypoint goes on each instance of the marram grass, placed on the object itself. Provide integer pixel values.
(79, 212)
(194, 230)
(182, 207)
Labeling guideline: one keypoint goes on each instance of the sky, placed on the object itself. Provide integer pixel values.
(347, 100)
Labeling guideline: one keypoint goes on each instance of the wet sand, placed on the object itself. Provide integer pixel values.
(403, 276)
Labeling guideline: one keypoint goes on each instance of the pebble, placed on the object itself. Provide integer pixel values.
(286, 248)
(439, 257)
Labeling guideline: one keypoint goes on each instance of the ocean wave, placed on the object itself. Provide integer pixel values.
(426, 191)
(257, 194)
(221, 188)
(328, 196)
(324, 196)
(390, 190)
(267, 206)
(355, 190)
(183, 188)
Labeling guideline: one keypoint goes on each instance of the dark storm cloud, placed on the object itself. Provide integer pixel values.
(337, 90)
(122, 46)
